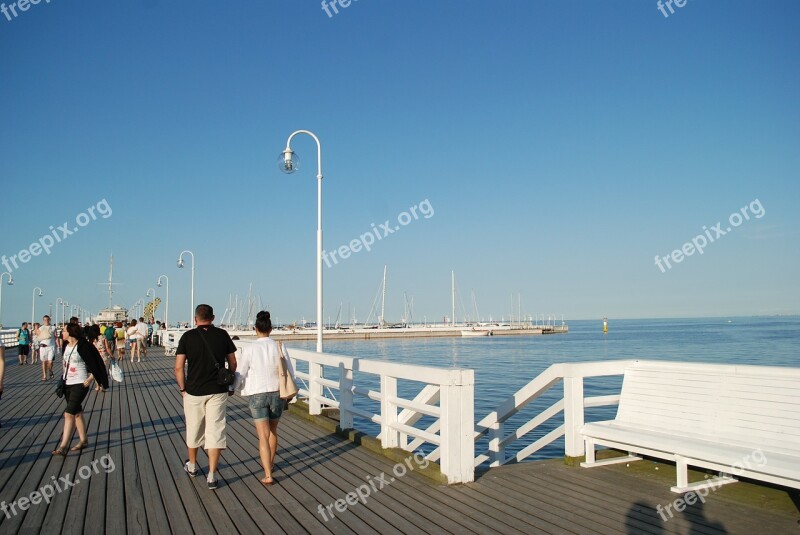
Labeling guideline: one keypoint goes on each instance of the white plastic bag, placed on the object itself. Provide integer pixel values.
(116, 372)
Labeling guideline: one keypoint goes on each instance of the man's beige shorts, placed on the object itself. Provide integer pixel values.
(205, 420)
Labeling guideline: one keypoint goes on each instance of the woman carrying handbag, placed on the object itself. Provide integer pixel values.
(258, 376)
(82, 365)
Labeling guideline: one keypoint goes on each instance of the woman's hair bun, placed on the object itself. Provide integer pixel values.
(263, 315)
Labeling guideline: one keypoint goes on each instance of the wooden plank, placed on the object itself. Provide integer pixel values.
(433, 517)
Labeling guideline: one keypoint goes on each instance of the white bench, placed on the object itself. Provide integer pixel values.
(737, 420)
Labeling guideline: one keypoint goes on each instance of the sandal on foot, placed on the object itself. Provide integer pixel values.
(79, 446)
(270, 482)
(60, 451)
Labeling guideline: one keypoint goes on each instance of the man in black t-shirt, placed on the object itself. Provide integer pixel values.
(204, 401)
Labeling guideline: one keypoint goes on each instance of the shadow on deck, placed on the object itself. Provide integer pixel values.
(139, 486)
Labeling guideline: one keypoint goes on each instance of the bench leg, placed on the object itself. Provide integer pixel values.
(592, 461)
(683, 486)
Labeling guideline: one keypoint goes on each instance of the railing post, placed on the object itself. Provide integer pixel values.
(573, 416)
(497, 452)
(314, 388)
(457, 459)
(390, 438)
(345, 397)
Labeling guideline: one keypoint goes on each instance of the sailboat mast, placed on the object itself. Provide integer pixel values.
(383, 299)
(111, 283)
(453, 278)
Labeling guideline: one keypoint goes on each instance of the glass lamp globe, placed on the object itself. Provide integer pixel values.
(288, 162)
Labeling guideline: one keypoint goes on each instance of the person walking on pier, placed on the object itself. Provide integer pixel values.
(142, 329)
(24, 343)
(119, 342)
(46, 336)
(35, 348)
(133, 341)
(257, 376)
(101, 344)
(108, 334)
(82, 365)
(204, 349)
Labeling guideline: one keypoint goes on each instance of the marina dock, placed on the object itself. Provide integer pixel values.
(410, 332)
(138, 425)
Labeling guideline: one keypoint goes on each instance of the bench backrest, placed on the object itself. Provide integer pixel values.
(757, 406)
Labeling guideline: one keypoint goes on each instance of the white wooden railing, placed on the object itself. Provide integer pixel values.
(9, 337)
(572, 405)
(446, 394)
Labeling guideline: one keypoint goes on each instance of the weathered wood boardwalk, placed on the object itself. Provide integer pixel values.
(136, 431)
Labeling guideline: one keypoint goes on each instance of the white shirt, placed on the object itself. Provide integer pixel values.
(142, 328)
(133, 332)
(257, 370)
(47, 335)
(77, 372)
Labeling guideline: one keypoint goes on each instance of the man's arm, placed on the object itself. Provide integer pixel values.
(180, 375)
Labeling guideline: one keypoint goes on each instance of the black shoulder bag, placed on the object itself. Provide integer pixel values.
(225, 377)
(62, 383)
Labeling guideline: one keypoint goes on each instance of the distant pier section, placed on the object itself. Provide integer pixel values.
(365, 333)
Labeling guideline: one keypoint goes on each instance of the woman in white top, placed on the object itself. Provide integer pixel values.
(133, 339)
(82, 365)
(257, 376)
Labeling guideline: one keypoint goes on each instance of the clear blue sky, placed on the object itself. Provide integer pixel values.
(562, 146)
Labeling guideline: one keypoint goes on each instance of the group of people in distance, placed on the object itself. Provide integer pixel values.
(88, 352)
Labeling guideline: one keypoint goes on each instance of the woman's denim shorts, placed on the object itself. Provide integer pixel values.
(266, 406)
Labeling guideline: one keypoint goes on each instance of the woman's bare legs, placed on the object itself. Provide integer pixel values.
(264, 447)
(80, 423)
(69, 428)
(273, 442)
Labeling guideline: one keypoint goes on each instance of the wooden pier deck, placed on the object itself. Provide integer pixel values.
(138, 426)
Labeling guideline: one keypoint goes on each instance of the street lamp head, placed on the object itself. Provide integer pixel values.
(11, 282)
(180, 262)
(288, 162)
(159, 284)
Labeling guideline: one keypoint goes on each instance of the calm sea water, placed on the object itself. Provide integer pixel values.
(506, 363)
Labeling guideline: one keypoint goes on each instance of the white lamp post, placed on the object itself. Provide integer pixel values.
(158, 283)
(289, 163)
(60, 303)
(180, 265)
(10, 283)
(33, 306)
